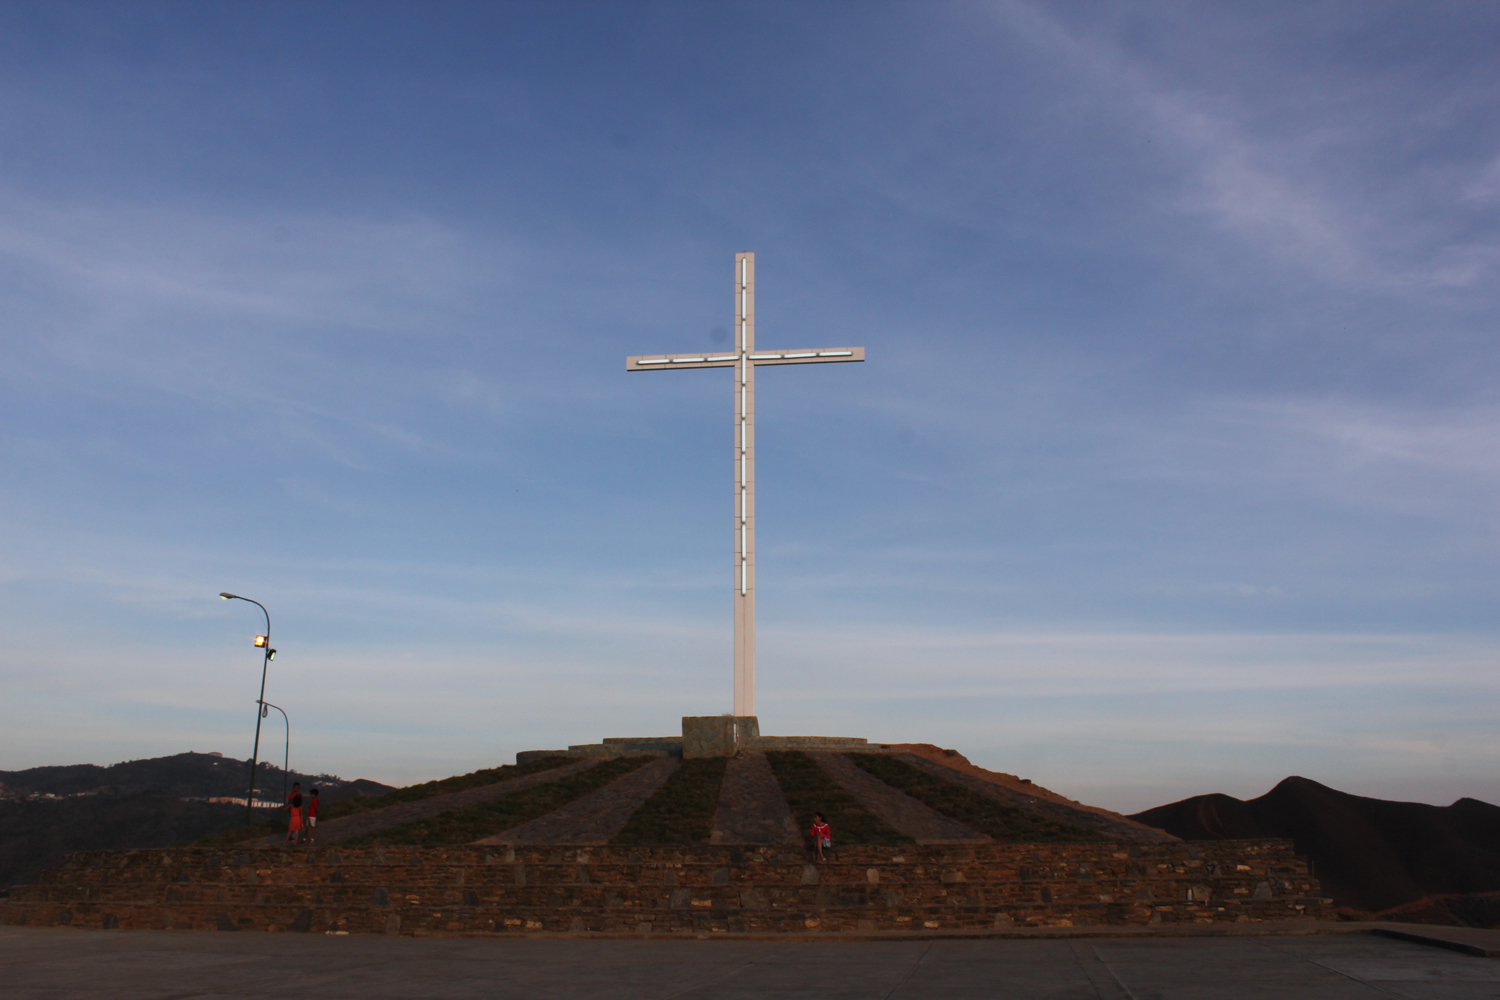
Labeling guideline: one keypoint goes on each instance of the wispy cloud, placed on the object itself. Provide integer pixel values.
(305, 269)
(1285, 188)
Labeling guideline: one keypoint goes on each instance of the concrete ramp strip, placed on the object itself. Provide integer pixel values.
(594, 818)
(752, 809)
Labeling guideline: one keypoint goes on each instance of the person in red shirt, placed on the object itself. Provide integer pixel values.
(312, 815)
(822, 835)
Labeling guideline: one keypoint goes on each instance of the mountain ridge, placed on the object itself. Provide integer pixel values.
(1374, 856)
(47, 812)
(186, 775)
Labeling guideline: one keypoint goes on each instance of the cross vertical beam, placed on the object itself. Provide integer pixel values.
(745, 359)
(744, 480)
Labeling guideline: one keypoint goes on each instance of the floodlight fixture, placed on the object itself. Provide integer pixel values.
(261, 642)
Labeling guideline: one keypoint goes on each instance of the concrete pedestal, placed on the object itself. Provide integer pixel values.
(717, 735)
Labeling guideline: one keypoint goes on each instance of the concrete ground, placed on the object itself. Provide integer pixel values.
(56, 964)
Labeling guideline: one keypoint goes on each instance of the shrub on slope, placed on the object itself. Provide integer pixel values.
(463, 826)
(1006, 824)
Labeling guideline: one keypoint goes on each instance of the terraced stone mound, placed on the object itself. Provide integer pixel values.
(643, 844)
(635, 891)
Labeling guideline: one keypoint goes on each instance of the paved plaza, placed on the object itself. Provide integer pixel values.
(54, 964)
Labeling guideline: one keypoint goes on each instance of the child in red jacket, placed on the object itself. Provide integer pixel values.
(294, 810)
(822, 835)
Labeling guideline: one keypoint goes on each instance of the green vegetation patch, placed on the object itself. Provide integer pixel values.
(682, 810)
(809, 789)
(443, 786)
(1006, 824)
(464, 826)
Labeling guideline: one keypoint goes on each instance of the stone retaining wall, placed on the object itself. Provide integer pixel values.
(667, 891)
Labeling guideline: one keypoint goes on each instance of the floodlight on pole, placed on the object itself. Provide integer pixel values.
(261, 642)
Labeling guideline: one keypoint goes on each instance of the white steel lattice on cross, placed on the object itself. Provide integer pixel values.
(744, 361)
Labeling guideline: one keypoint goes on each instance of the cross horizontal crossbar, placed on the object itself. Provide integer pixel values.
(657, 362)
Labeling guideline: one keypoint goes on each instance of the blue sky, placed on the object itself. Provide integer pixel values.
(1173, 467)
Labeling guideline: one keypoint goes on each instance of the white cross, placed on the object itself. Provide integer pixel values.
(744, 360)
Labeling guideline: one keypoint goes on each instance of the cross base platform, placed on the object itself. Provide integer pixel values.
(707, 736)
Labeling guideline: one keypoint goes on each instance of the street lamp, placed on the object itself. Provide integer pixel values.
(261, 642)
(287, 752)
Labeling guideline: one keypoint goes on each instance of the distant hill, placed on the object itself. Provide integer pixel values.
(186, 775)
(46, 812)
(1404, 860)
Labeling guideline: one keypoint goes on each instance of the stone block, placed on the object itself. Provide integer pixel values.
(527, 756)
(717, 735)
(845, 744)
(666, 744)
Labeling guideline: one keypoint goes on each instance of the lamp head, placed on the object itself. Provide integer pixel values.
(271, 655)
(264, 711)
(260, 641)
(227, 595)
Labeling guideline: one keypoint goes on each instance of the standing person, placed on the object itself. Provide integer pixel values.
(312, 815)
(294, 806)
(822, 835)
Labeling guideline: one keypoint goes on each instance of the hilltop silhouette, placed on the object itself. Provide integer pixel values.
(46, 812)
(186, 775)
(1400, 860)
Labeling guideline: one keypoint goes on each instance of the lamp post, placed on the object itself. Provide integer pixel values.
(287, 752)
(264, 642)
